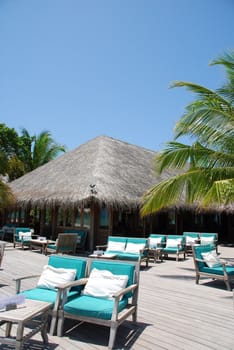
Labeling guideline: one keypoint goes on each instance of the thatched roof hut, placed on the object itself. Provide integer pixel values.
(121, 173)
(99, 186)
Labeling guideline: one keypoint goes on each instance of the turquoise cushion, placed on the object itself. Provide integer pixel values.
(70, 263)
(51, 246)
(117, 239)
(137, 240)
(202, 249)
(128, 256)
(48, 295)
(93, 307)
(218, 270)
(173, 250)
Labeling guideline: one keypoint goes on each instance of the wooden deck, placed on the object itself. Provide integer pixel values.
(174, 312)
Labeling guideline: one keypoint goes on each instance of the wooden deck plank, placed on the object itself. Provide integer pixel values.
(174, 312)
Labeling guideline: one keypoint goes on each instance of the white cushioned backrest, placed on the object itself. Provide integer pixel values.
(211, 259)
(191, 240)
(116, 246)
(51, 277)
(134, 247)
(173, 242)
(154, 241)
(103, 284)
(25, 234)
(207, 240)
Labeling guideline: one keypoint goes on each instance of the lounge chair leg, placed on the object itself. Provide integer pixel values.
(227, 285)
(60, 324)
(112, 336)
(197, 279)
(53, 323)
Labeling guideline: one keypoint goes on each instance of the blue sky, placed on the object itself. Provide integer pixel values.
(81, 69)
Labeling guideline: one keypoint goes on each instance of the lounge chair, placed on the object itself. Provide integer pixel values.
(109, 296)
(175, 244)
(65, 244)
(81, 238)
(209, 238)
(208, 264)
(126, 248)
(22, 237)
(46, 287)
(191, 238)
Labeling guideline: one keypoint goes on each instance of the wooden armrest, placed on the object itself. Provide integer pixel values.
(101, 246)
(123, 291)
(71, 284)
(19, 279)
(25, 277)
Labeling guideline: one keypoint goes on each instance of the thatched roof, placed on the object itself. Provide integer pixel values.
(121, 173)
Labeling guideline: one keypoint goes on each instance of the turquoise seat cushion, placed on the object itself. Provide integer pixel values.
(47, 295)
(128, 256)
(173, 250)
(52, 246)
(93, 307)
(218, 270)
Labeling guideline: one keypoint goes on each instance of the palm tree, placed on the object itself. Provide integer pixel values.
(205, 169)
(6, 196)
(38, 150)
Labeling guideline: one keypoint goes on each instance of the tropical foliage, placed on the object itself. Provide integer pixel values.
(20, 154)
(203, 171)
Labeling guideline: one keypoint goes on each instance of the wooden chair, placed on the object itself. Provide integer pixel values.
(209, 238)
(175, 244)
(100, 305)
(65, 244)
(191, 238)
(49, 293)
(220, 270)
(81, 238)
(22, 236)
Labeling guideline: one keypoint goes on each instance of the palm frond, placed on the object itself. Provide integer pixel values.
(220, 193)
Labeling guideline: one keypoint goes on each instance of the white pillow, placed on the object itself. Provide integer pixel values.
(191, 240)
(134, 247)
(173, 242)
(207, 240)
(154, 241)
(211, 259)
(103, 284)
(26, 235)
(116, 246)
(51, 277)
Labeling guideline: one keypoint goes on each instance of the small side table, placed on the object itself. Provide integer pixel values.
(33, 314)
(155, 254)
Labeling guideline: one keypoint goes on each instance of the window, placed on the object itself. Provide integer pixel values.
(77, 217)
(86, 217)
(104, 217)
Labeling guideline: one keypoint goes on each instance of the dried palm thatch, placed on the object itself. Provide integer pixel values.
(121, 173)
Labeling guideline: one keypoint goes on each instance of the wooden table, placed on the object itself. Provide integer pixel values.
(41, 244)
(32, 314)
(155, 254)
